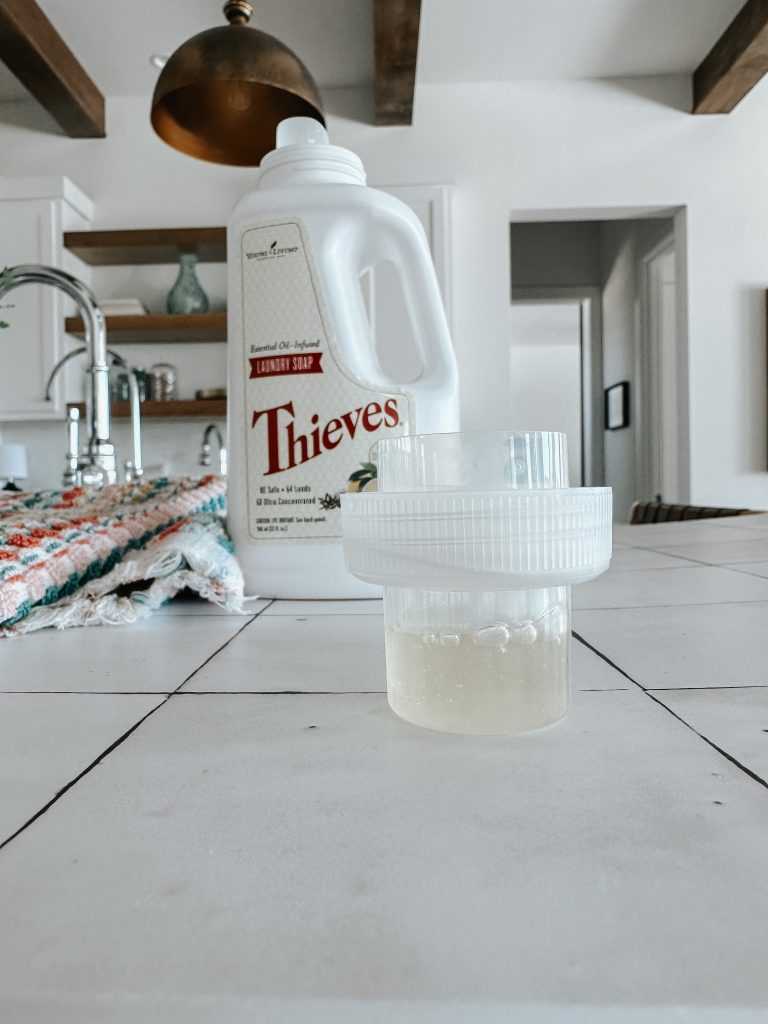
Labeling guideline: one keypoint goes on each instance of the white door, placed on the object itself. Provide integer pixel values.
(546, 390)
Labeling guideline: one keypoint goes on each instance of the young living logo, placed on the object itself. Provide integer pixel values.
(271, 252)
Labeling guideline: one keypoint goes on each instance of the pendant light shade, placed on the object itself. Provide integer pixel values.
(222, 94)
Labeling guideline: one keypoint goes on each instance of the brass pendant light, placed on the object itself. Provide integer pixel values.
(223, 93)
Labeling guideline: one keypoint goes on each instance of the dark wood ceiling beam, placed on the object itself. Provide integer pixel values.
(396, 44)
(37, 55)
(736, 62)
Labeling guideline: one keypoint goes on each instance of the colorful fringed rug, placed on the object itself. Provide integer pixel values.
(92, 557)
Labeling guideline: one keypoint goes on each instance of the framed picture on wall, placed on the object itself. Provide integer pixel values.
(617, 406)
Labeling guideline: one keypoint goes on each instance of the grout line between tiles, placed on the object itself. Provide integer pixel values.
(205, 615)
(274, 693)
(121, 739)
(743, 568)
(682, 689)
(279, 693)
(65, 789)
(218, 651)
(659, 568)
(606, 659)
(602, 689)
(724, 753)
(324, 615)
(88, 693)
(681, 604)
(729, 757)
(698, 561)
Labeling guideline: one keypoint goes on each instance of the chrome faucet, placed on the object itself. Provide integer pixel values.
(205, 450)
(132, 468)
(96, 462)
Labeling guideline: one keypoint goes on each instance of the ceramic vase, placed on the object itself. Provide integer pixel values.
(187, 295)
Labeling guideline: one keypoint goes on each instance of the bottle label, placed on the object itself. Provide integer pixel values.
(309, 423)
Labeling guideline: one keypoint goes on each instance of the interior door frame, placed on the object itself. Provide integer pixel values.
(662, 414)
(590, 302)
(649, 373)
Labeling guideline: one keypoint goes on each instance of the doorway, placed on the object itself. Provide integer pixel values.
(614, 284)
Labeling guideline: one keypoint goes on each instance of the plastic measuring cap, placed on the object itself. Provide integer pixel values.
(476, 511)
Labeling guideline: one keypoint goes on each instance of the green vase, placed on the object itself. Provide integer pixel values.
(187, 296)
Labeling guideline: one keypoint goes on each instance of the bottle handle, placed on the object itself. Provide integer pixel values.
(397, 237)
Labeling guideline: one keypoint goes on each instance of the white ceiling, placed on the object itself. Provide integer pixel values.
(499, 40)
(113, 39)
(461, 40)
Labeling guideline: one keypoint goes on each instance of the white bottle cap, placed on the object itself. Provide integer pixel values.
(301, 131)
(303, 155)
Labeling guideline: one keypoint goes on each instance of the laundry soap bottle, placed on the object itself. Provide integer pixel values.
(307, 394)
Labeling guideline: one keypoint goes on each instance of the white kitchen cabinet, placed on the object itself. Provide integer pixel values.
(34, 214)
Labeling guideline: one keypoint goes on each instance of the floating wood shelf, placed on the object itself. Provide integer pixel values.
(208, 408)
(158, 327)
(148, 245)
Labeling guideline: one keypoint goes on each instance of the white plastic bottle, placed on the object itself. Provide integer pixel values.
(306, 394)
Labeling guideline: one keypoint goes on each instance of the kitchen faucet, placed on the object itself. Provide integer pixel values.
(205, 450)
(133, 468)
(96, 462)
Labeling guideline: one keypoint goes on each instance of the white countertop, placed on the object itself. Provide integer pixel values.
(216, 818)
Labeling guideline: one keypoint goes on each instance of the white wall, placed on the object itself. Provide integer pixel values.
(514, 150)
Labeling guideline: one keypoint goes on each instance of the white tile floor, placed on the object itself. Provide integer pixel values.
(753, 568)
(309, 857)
(642, 588)
(299, 608)
(735, 720)
(312, 653)
(317, 847)
(46, 742)
(689, 645)
(281, 654)
(153, 656)
(591, 672)
(628, 558)
(662, 535)
(753, 522)
(750, 549)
